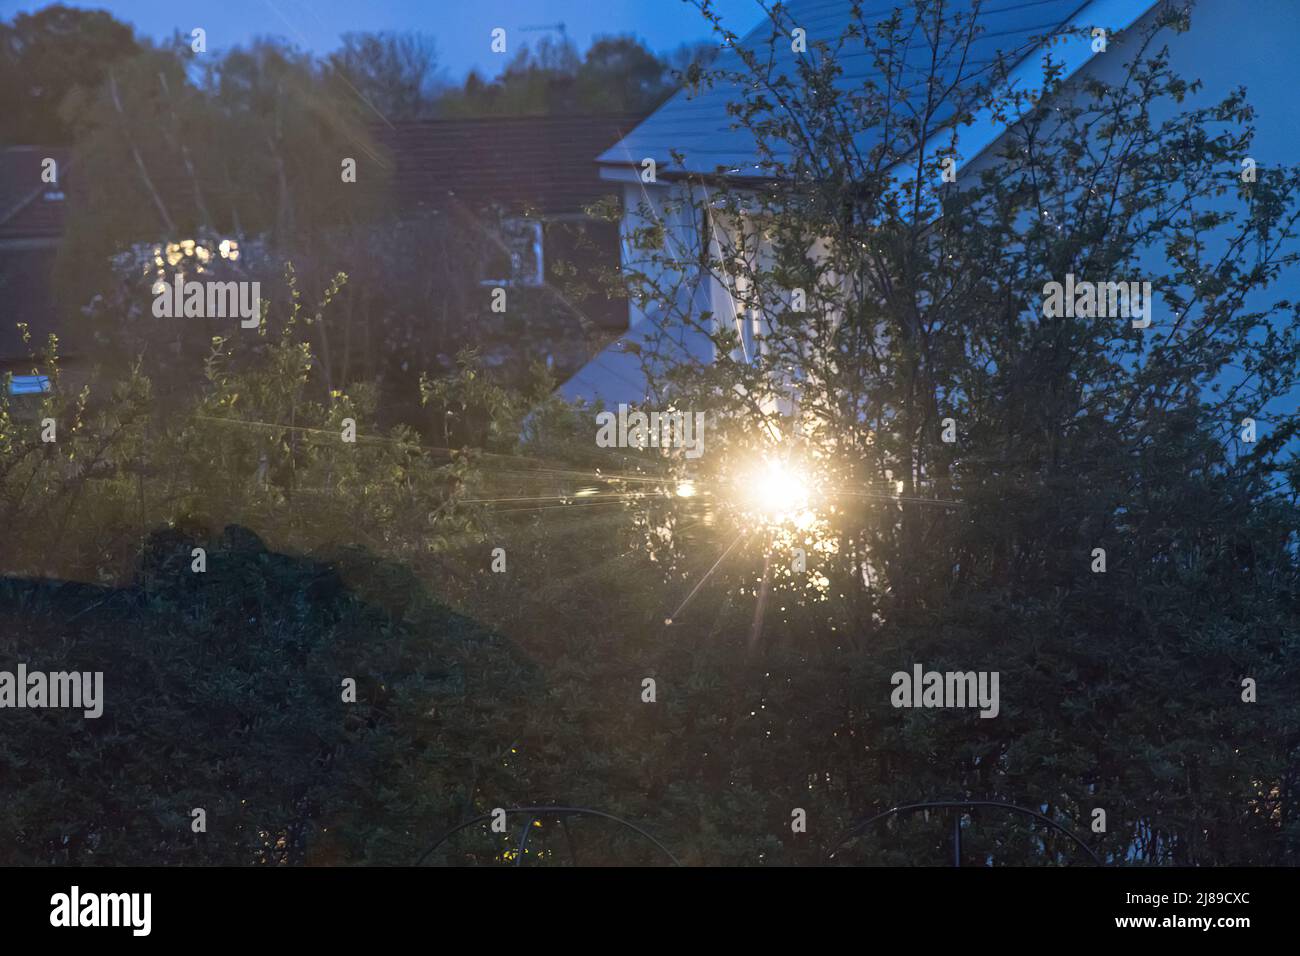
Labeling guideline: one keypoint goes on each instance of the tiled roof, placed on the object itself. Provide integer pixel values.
(30, 208)
(541, 162)
(537, 162)
(700, 127)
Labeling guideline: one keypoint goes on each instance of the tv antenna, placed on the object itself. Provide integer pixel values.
(546, 26)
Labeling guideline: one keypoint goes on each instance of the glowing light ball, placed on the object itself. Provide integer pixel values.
(776, 488)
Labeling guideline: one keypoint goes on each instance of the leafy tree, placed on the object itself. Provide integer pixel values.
(924, 308)
(163, 160)
(46, 55)
(223, 688)
(393, 73)
(617, 74)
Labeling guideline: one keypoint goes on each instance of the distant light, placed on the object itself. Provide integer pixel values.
(686, 489)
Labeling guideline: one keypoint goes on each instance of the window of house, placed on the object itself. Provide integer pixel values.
(516, 254)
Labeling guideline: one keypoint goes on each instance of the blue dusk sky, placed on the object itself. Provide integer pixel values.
(460, 28)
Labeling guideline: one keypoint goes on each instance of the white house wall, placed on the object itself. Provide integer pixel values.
(1230, 44)
(616, 374)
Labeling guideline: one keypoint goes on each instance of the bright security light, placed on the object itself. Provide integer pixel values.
(776, 489)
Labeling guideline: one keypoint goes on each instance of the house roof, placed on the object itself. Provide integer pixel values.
(30, 208)
(700, 127)
(538, 162)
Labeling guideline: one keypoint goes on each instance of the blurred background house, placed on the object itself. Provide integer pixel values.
(31, 225)
(524, 186)
(472, 204)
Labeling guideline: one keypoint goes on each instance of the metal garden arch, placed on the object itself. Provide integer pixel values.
(860, 828)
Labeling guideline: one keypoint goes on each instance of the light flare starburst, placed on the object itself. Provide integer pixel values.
(775, 492)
